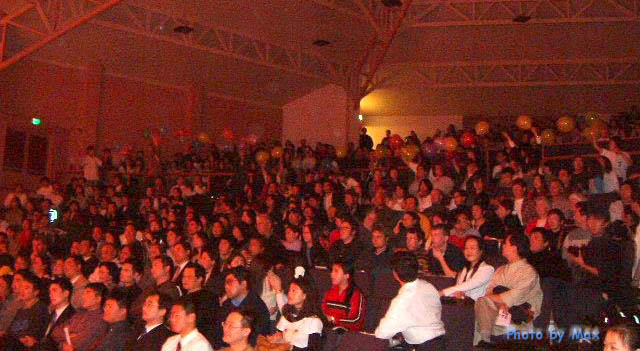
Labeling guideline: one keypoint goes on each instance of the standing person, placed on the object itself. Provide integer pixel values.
(90, 166)
(365, 141)
(416, 310)
(154, 313)
(183, 323)
(620, 160)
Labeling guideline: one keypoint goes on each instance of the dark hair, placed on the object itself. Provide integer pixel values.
(187, 303)
(185, 245)
(241, 274)
(443, 227)
(507, 204)
(138, 266)
(597, 210)
(114, 272)
(64, 284)
(547, 235)
(346, 266)
(417, 232)
(121, 297)
(166, 262)
(557, 212)
(99, 289)
(36, 282)
(379, 228)
(164, 301)
(405, 265)
(197, 269)
(521, 242)
(482, 247)
(310, 306)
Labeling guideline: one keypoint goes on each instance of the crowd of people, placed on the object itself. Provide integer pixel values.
(121, 258)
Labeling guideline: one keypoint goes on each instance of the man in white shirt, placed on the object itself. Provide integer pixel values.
(620, 160)
(415, 311)
(91, 165)
(183, 322)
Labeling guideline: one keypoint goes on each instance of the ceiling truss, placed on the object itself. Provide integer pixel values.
(437, 13)
(40, 22)
(516, 73)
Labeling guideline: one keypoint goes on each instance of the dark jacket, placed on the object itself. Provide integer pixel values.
(151, 341)
(119, 337)
(252, 303)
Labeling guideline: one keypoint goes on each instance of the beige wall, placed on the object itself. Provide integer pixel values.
(95, 107)
(321, 116)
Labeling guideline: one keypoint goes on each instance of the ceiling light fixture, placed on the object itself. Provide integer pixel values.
(321, 42)
(392, 3)
(522, 19)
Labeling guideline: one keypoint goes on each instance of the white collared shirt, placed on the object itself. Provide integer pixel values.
(194, 341)
(415, 312)
(473, 286)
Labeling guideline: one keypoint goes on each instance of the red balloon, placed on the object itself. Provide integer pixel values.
(467, 139)
(396, 142)
(228, 134)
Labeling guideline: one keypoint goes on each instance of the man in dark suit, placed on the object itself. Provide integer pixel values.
(120, 335)
(154, 333)
(239, 295)
(192, 278)
(61, 311)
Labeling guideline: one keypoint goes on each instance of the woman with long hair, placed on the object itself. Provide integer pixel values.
(474, 278)
(301, 323)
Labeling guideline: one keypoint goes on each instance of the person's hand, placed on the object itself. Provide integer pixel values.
(459, 295)
(67, 347)
(222, 299)
(275, 338)
(438, 254)
(274, 282)
(28, 341)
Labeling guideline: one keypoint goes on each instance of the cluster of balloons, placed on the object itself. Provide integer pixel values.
(410, 151)
(341, 152)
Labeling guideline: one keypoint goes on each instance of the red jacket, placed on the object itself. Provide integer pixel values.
(350, 316)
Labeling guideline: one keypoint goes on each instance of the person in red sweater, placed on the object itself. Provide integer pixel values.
(344, 303)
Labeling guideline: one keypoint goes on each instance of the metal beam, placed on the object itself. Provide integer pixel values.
(514, 73)
(58, 32)
(437, 13)
(224, 42)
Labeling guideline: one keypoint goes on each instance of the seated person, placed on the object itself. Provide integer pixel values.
(516, 284)
(474, 278)
(443, 258)
(154, 333)
(183, 322)
(379, 255)
(238, 294)
(31, 319)
(120, 335)
(87, 326)
(300, 325)
(237, 329)
(415, 311)
(344, 304)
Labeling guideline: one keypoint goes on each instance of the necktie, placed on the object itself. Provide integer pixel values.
(52, 321)
(179, 347)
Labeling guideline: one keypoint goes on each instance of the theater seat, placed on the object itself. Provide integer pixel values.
(321, 277)
(354, 341)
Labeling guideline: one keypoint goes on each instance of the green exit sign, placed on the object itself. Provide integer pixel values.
(36, 121)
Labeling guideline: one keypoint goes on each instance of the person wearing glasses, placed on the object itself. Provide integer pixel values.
(183, 322)
(237, 329)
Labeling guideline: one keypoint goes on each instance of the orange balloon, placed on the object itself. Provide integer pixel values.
(565, 124)
(341, 152)
(467, 139)
(204, 138)
(409, 152)
(482, 128)
(262, 157)
(524, 122)
(276, 152)
(450, 144)
(548, 136)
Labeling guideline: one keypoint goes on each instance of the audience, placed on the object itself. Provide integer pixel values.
(150, 233)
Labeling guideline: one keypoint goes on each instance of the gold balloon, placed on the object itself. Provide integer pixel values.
(591, 117)
(276, 152)
(450, 143)
(524, 122)
(262, 157)
(482, 128)
(548, 136)
(204, 138)
(341, 152)
(565, 124)
(410, 151)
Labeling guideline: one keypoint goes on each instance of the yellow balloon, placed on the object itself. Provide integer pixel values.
(409, 152)
(524, 122)
(591, 117)
(450, 143)
(341, 152)
(262, 157)
(276, 152)
(204, 138)
(482, 128)
(548, 136)
(565, 124)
